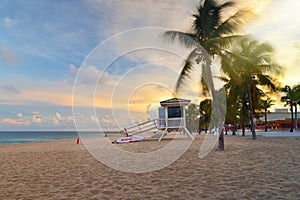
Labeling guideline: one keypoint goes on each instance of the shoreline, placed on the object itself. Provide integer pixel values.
(116, 135)
(19, 137)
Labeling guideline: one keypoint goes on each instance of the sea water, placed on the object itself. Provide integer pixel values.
(17, 137)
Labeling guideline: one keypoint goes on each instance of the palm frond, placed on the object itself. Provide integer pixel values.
(222, 78)
(286, 89)
(218, 44)
(273, 68)
(230, 25)
(204, 87)
(187, 68)
(266, 80)
(188, 40)
(239, 58)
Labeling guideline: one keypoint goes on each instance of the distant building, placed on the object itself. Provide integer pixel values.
(281, 118)
(279, 114)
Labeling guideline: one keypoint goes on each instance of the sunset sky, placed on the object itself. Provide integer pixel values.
(46, 44)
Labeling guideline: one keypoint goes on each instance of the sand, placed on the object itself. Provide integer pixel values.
(268, 168)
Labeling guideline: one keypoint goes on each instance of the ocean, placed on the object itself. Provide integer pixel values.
(17, 137)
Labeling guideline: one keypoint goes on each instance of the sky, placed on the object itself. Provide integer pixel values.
(102, 64)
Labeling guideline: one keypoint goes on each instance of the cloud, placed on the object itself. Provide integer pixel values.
(127, 15)
(7, 55)
(7, 21)
(55, 121)
(45, 93)
(27, 123)
(58, 116)
(11, 121)
(94, 118)
(88, 74)
(11, 89)
(135, 13)
(106, 119)
(72, 69)
(37, 119)
(19, 121)
(277, 28)
(10, 102)
(277, 24)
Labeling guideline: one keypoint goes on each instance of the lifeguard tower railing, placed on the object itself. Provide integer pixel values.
(160, 125)
(140, 128)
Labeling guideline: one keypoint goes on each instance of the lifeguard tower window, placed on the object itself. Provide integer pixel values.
(175, 112)
(162, 116)
(161, 112)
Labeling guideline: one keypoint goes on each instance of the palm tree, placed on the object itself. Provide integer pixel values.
(247, 64)
(205, 113)
(296, 113)
(233, 93)
(291, 98)
(296, 104)
(192, 113)
(244, 112)
(210, 32)
(231, 113)
(265, 105)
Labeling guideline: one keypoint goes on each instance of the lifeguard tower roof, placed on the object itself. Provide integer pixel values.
(175, 102)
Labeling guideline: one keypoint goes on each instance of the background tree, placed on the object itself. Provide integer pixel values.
(297, 102)
(291, 98)
(205, 113)
(232, 95)
(265, 105)
(248, 64)
(210, 32)
(192, 116)
(296, 113)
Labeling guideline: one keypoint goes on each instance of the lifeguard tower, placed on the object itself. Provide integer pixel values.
(172, 116)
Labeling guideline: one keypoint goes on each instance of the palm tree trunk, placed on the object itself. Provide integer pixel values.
(234, 128)
(292, 115)
(199, 126)
(251, 112)
(243, 117)
(266, 125)
(243, 128)
(296, 124)
(208, 79)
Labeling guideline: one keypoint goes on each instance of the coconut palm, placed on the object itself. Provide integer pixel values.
(296, 104)
(244, 112)
(232, 89)
(192, 113)
(291, 98)
(248, 64)
(205, 113)
(210, 32)
(232, 112)
(265, 105)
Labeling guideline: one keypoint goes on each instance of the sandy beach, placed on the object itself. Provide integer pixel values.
(267, 168)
